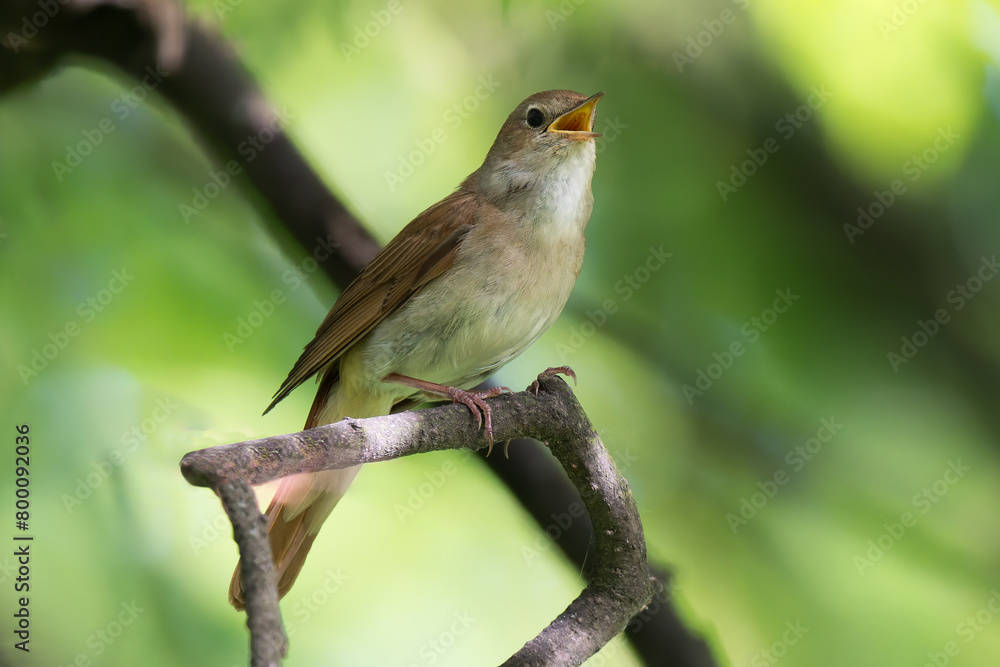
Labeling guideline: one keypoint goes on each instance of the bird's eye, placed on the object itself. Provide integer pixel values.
(535, 117)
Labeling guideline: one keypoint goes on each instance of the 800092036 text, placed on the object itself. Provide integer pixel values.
(22, 543)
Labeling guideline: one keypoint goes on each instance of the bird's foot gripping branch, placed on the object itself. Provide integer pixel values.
(620, 584)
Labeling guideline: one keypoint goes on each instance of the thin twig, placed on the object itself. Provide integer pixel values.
(268, 643)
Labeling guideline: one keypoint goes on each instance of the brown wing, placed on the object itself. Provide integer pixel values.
(418, 254)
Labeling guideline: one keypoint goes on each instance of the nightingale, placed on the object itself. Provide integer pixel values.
(464, 288)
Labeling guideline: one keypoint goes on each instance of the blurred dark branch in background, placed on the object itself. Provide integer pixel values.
(199, 74)
(619, 587)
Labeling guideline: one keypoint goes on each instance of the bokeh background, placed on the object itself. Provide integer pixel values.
(820, 500)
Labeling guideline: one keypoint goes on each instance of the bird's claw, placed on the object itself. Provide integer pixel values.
(549, 372)
(475, 401)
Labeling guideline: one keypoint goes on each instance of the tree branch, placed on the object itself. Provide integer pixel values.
(620, 584)
(268, 643)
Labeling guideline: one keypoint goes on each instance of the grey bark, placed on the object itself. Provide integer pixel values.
(620, 584)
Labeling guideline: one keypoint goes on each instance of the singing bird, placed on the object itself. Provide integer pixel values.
(464, 288)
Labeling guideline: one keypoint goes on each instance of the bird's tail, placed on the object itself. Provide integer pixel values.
(304, 501)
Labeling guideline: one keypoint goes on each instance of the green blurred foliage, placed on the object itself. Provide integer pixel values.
(694, 92)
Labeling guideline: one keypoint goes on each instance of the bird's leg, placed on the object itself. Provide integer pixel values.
(474, 400)
(564, 370)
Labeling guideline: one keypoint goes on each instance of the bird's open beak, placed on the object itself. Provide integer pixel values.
(578, 122)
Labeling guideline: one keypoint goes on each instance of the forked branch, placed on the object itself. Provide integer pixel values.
(620, 584)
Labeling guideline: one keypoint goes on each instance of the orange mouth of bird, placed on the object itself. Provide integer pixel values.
(578, 122)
